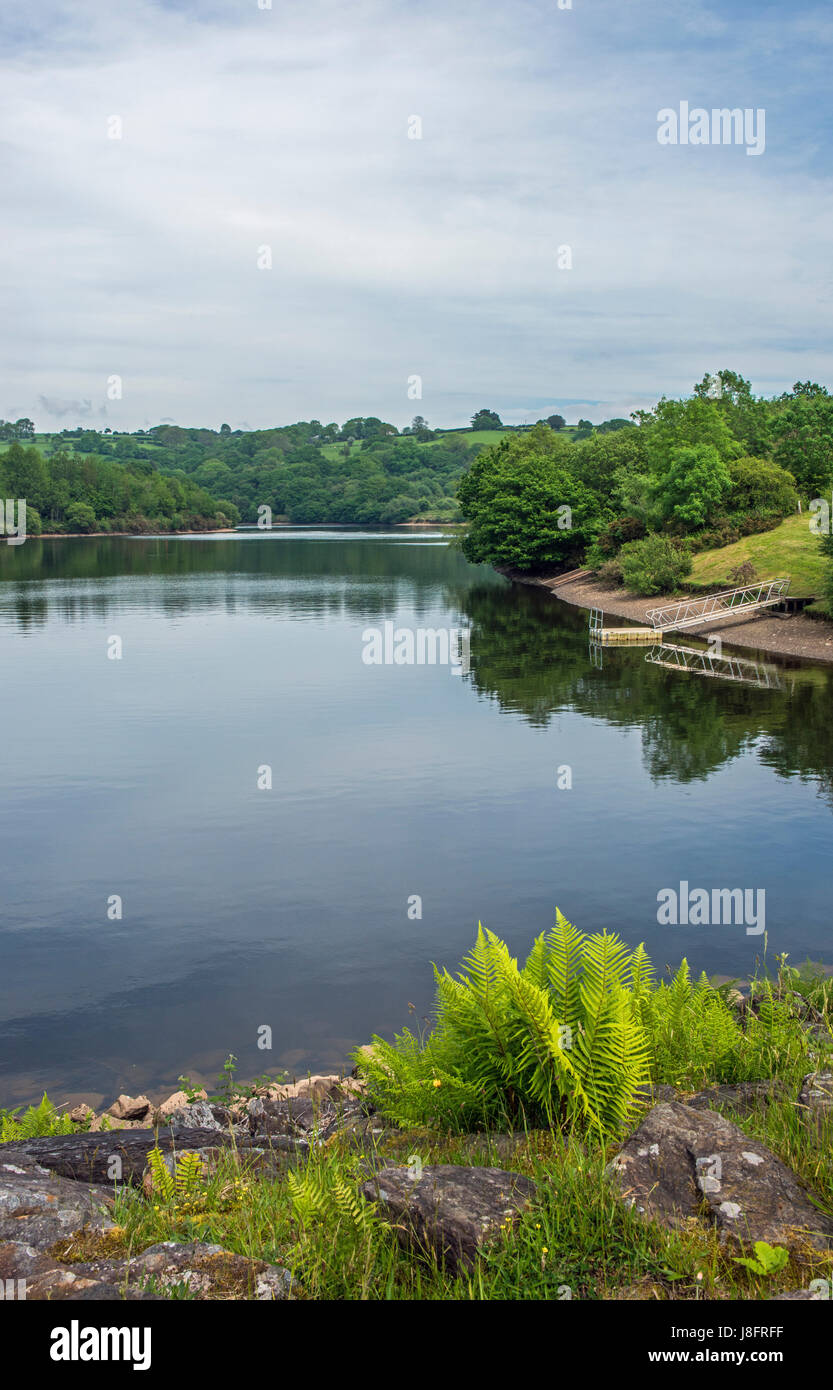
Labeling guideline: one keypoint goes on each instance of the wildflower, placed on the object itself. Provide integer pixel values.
(438, 1083)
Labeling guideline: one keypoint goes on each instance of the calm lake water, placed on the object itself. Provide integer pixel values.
(288, 907)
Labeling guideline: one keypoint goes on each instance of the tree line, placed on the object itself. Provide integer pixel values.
(636, 500)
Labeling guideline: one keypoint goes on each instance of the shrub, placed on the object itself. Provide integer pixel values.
(80, 517)
(610, 573)
(760, 486)
(743, 574)
(656, 565)
(617, 533)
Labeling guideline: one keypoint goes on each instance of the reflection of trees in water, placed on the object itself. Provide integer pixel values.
(366, 578)
(802, 745)
(531, 655)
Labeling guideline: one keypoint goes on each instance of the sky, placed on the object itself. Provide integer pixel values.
(218, 212)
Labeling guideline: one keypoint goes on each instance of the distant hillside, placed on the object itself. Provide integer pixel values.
(364, 472)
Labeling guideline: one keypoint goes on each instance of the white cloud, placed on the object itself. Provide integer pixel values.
(288, 128)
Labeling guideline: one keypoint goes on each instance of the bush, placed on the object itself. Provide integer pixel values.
(618, 533)
(729, 529)
(570, 1036)
(80, 517)
(760, 486)
(656, 565)
(610, 573)
(744, 573)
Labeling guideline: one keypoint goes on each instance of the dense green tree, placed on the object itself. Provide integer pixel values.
(759, 485)
(803, 434)
(525, 508)
(674, 424)
(694, 487)
(486, 420)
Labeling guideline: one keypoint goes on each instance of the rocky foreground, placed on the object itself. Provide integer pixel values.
(684, 1163)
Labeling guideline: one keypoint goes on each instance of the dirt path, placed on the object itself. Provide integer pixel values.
(802, 639)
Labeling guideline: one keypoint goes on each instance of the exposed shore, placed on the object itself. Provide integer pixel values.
(797, 638)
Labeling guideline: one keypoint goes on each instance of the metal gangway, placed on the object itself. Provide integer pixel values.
(715, 663)
(689, 612)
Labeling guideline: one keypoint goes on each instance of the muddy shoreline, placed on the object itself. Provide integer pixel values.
(796, 638)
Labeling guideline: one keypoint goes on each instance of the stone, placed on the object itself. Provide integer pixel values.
(206, 1271)
(650, 1094)
(318, 1088)
(81, 1113)
(199, 1114)
(302, 1120)
(176, 1102)
(38, 1208)
(815, 1099)
(798, 1295)
(89, 1157)
(46, 1279)
(744, 1097)
(454, 1212)
(683, 1163)
(126, 1108)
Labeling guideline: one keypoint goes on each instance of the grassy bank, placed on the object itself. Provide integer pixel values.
(789, 551)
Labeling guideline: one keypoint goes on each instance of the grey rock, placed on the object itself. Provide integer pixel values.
(744, 1097)
(815, 1099)
(89, 1157)
(796, 1296)
(206, 1271)
(681, 1161)
(308, 1121)
(37, 1208)
(650, 1094)
(45, 1278)
(454, 1212)
(200, 1114)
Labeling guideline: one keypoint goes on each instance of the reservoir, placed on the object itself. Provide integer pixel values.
(404, 801)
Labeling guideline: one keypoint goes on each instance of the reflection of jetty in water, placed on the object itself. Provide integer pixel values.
(712, 663)
(706, 662)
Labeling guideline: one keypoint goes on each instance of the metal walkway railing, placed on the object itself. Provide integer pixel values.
(689, 612)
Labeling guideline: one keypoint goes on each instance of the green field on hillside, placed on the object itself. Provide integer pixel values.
(790, 551)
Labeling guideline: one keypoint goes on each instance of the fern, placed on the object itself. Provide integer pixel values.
(182, 1186)
(38, 1120)
(556, 1041)
(315, 1200)
(693, 1035)
(164, 1183)
(189, 1177)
